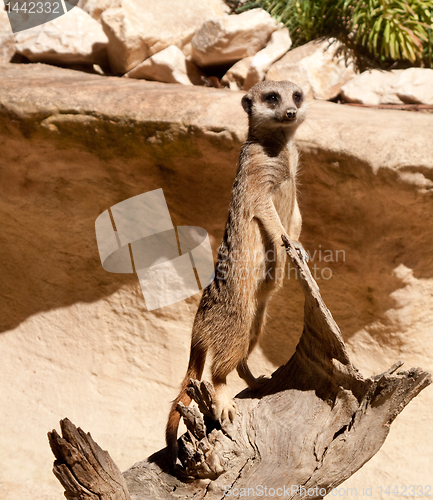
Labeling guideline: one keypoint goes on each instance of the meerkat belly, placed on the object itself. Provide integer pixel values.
(258, 267)
(247, 262)
(283, 199)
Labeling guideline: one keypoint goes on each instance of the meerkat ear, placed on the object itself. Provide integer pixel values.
(247, 103)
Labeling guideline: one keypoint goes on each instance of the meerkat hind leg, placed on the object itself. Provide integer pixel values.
(254, 383)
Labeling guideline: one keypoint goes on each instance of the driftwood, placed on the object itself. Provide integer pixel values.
(84, 469)
(314, 423)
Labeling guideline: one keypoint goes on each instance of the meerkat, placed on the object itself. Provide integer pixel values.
(251, 257)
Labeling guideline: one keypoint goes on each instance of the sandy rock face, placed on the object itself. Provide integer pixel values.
(170, 66)
(78, 341)
(408, 86)
(227, 40)
(315, 67)
(277, 46)
(75, 38)
(137, 29)
(95, 8)
(404, 324)
(7, 49)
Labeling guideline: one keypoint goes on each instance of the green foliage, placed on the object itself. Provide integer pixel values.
(379, 32)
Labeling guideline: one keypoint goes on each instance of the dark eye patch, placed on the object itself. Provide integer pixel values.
(298, 97)
(271, 97)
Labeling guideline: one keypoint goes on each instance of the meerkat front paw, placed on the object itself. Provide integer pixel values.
(303, 254)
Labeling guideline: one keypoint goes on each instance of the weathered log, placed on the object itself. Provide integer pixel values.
(85, 470)
(314, 423)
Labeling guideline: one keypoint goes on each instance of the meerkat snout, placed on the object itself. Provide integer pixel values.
(291, 114)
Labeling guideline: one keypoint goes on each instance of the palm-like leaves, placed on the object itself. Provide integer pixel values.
(376, 30)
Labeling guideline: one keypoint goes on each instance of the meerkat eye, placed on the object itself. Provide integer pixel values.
(297, 97)
(271, 98)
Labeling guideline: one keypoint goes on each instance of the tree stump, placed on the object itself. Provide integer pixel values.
(314, 423)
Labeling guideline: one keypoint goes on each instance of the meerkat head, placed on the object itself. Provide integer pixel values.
(275, 104)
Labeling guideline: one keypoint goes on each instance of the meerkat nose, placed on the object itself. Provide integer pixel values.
(291, 114)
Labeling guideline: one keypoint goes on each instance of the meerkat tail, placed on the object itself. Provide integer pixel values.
(195, 370)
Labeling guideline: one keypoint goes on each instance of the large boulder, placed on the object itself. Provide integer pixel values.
(138, 29)
(317, 67)
(7, 49)
(398, 86)
(226, 40)
(78, 341)
(169, 65)
(74, 38)
(278, 45)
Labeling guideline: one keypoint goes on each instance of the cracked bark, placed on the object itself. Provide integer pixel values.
(311, 426)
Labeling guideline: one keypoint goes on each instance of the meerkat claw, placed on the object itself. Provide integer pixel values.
(286, 241)
(228, 413)
(303, 254)
(225, 412)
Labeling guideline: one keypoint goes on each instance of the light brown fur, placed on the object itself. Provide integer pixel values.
(251, 259)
